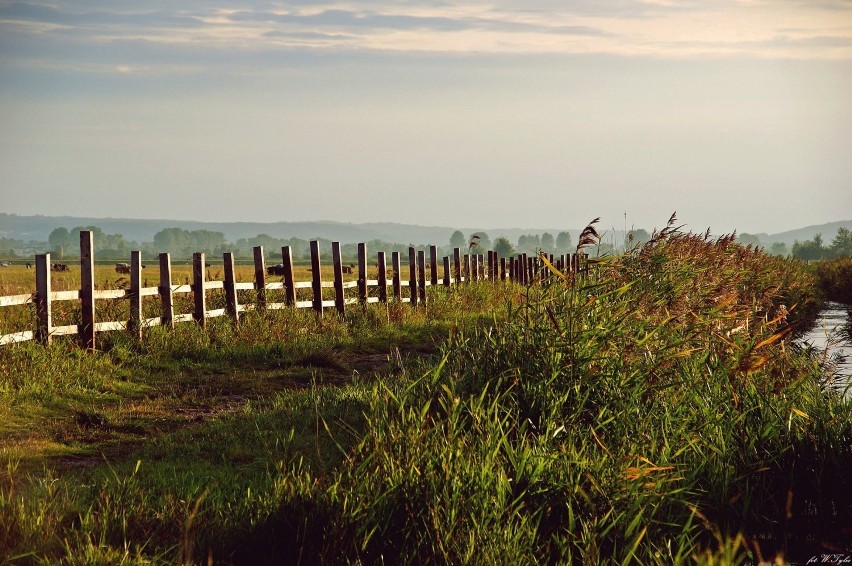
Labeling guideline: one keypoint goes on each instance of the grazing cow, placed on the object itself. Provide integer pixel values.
(5, 264)
(277, 269)
(122, 268)
(29, 266)
(347, 269)
(59, 267)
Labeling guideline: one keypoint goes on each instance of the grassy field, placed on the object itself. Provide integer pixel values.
(655, 412)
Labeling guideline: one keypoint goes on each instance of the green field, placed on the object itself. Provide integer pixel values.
(654, 412)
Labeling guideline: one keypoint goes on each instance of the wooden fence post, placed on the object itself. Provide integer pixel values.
(339, 298)
(362, 274)
(87, 289)
(421, 275)
(167, 314)
(492, 266)
(44, 311)
(412, 276)
(446, 271)
(467, 268)
(382, 276)
(289, 277)
(198, 292)
(502, 269)
(433, 264)
(457, 265)
(135, 323)
(316, 277)
(397, 282)
(232, 305)
(474, 265)
(260, 277)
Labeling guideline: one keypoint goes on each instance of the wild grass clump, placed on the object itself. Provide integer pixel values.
(835, 279)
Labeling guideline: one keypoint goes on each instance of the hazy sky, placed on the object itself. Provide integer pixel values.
(735, 113)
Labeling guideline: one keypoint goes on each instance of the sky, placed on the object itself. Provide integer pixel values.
(737, 114)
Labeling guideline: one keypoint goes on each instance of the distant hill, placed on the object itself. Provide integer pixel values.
(828, 231)
(39, 228)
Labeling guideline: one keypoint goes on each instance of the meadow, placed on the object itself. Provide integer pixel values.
(654, 411)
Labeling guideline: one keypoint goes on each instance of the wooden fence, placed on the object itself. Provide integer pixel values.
(422, 273)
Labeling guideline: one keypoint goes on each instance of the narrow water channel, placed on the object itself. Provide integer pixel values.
(831, 340)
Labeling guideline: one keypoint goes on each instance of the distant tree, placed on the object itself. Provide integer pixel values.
(639, 235)
(59, 240)
(746, 239)
(563, 242)
(547, 242)
(503, 247)
(529, 243)
(841, 245)
(778, 248)
(810, 249)
(483, 241)
(457, 240)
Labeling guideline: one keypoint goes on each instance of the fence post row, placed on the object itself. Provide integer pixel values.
(458, 269)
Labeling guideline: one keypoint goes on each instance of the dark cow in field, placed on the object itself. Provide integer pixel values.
(277, 269)
(124, 268)
(59, 267)
(347, 268)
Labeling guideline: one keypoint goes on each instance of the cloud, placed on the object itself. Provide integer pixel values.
(39, 31)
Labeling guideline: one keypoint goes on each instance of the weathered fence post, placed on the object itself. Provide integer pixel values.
(44, 311)
(87, 289)
(260, 277)
(502, 269)
(167, 314)
(316, 277)
(289, 277)
(457, 265)
(433, 264)
(474, 265)
(467, 268)
(198, 292)
(362, 274)
(339, 298)
(412, 276)
(446, 271)
(135, 323)
(421, 275)
(232, 305)
(382, 276)
(397, 282)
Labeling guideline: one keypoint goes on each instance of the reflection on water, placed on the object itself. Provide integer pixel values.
(830, 337)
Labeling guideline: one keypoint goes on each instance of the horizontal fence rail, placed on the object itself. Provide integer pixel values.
(421, 272)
